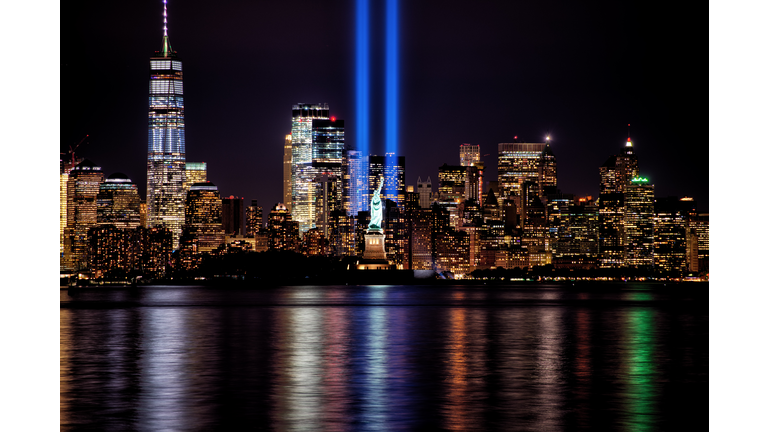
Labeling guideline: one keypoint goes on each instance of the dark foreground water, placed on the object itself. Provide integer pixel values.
(526, 357)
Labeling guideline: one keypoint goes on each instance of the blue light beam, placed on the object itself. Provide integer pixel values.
(362, 74)
(392, 90)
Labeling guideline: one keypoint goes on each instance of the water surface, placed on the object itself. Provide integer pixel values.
(536, 357)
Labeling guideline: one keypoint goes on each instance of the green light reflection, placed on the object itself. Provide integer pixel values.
(641, 387)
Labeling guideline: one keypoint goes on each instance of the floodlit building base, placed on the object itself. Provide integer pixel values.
(374, 256)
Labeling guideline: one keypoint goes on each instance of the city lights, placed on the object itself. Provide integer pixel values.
(525, 221)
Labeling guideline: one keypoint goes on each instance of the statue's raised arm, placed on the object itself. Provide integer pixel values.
(376, 207)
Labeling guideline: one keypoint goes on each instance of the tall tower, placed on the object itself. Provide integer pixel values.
(639, 224)
(328, 155)
(166, 159)
(615, 176)
(619, 170)
(64, 169)
(287, 164)
(358, 182)
(302, 171)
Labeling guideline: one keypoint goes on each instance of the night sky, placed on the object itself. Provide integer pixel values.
(470, 72)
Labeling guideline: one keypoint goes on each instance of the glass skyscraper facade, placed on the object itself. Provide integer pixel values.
(166, 159)
(357, 184)
(328, 155)
(302, 171)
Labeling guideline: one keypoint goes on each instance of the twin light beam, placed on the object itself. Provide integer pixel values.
(363, 83)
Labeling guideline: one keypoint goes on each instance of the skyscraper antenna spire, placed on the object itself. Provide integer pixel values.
(166, 42)
(629, 140)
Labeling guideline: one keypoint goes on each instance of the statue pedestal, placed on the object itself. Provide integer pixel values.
(374, 256)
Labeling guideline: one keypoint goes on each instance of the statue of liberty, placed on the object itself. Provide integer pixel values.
(376, 207)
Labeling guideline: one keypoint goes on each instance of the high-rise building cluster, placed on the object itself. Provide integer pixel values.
(522, 220)
(108, 231)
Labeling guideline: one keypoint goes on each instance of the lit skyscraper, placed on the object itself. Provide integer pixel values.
(283, 231)
(118, 202)
(287, 158)
(82, 190)
(357, 184)
(699, 223)
(166, 160)
(548, 173)
(328, 155)
(203, 211)
(469, 154)
(196, 172)
(526, 163)
(518, 162)
(638, 224)
(64, 170)
(615, 174)
(670, 242)
(618, 170)
(302, 171)
(453, 179)
(253, 219)
(470, 158)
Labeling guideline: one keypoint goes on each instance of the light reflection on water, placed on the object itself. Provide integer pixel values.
(640, 371)
(383, 358)
(549, 370)
(164, 375)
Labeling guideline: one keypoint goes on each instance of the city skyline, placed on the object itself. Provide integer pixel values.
(127, 34)
(234, 119)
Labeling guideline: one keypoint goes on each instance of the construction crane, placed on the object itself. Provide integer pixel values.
(72, 151)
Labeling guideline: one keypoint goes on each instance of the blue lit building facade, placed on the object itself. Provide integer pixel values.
(392, 167)
(328, 151)
(357, 182)
(166, 157)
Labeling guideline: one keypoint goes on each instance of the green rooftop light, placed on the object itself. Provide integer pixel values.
(640, 180)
